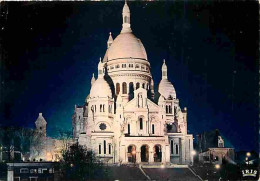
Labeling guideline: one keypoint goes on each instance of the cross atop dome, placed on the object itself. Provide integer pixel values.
(126, 27)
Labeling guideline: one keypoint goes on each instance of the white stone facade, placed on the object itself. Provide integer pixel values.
(121, 120)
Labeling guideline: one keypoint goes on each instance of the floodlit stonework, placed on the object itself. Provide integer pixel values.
(123, 120)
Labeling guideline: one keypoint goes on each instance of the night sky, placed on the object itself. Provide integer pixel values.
(50, 50)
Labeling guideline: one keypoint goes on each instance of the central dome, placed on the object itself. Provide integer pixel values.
(126, 45)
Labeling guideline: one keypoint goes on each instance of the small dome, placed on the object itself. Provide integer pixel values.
(126, 45)
(166, 89)
(100, 89)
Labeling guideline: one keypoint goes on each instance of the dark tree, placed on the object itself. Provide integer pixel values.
(79, 164)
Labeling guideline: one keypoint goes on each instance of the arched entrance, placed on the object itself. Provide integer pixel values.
(157, 153)
(131, 153)
(144, 153)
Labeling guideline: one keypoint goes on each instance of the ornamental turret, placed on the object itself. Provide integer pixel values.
(93, 79)
(110, 40)
(126, 27)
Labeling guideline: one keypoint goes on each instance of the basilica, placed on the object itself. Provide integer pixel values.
(123, 119)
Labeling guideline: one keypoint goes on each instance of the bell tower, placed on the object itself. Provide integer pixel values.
(40, 124)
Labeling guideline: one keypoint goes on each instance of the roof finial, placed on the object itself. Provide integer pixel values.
(164, 61)
(99, 59)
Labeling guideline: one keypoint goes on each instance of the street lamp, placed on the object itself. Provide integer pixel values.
(248, 154)
(193, 152)
(217, 166)
(162, 166)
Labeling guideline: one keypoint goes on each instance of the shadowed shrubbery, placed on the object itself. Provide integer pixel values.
(78, 164)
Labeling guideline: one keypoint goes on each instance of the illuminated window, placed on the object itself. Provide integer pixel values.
(24, 170)
(33, 171)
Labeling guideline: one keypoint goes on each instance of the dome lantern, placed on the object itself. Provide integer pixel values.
(126, 27)
(164, 70)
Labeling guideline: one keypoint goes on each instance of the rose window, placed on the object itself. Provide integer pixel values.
(102, 126)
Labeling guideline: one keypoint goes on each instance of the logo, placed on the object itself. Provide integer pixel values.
(249, 173)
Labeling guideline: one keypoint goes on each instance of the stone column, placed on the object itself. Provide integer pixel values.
(138, 156)
(163, 150)
(10, 174)
(151, 158)
(122, 154)
(167, 154)
(182, 149)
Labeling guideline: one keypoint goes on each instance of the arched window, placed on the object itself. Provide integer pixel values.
(164, 73)
(137, 85)
(131, 90)
(128, 131)
(99, 149)
(105, 144)
(152, 128)
(124, 88)
(103, 107)
(166, 109)
(117, 88)
(171, 146)
(141, 123)
(100, 107)
(109, 148)
(143, 85)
